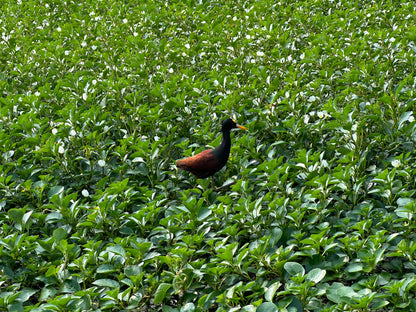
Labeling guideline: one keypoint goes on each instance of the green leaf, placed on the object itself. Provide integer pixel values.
(53, 216)
(105, 282)
(59, 234)
(133, 270)
(403, 118)
(354, 267)
(294, 268)
(203, 213)
(47, 292)
(188, 307)
(161, 292)
(267, 307)
(339, 293)
(16, 214)
(275, 236)
(315, 275)
(117, 249)
(271, 290)
(249, 308)
(106, 268)
(55, 190)
(26, 294)
(15, 307)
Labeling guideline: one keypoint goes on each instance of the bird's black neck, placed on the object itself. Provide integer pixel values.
(222, 151)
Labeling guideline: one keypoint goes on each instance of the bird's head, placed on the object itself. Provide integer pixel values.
(229, 124)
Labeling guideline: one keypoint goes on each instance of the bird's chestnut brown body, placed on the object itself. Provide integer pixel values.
(208, 162)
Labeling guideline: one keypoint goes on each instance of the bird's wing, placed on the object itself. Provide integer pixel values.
(201, 165)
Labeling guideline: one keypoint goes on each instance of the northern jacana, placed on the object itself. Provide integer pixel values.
(208, 162)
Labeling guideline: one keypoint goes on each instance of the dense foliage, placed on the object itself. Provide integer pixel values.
(98, 99)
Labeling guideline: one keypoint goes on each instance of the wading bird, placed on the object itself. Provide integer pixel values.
(208, 162)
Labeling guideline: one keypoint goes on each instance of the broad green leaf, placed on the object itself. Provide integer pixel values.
(117, 249)
(106, 268)
(161, 292)
(339, 293)
(271, 290)
(403, 118)
(249, 308)
(15, 307)
(53, 216)
(354, 267)
(267, 307)
(55, 190)
(203, 213)
(59, 234)
(16, 214)
(133, 270)
(188, 307)
(47, 292)
(294, 268)
(105, 282)
(315, 275)
(275, 236)
(26, 294)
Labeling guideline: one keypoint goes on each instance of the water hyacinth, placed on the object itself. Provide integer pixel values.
(314, 210)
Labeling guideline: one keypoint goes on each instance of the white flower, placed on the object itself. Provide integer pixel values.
(321, 114)
(312, 99)
(37, 93)
(85, 193)
(396, 163)
(94, 82)
(135, 34)
(83, 44)
(125, 21)
(101, 163)
(170, 70)
(54, 131)
(94, 47)
(84, 96)
(248, 37)
(72, 132)
(59, 29)
(67, 52)
(306, 119)
(187, 46)
(61, 149)
(260, 53)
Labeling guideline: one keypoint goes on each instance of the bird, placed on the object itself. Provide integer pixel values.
(208, 162)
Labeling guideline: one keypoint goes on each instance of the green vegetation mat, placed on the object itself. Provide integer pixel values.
(99, 98)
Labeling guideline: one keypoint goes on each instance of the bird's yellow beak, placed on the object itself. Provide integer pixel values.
(241, 127)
